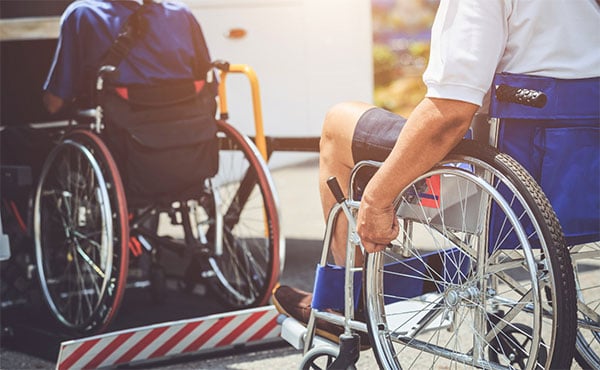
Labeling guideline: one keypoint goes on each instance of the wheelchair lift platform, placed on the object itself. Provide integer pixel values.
(171, 339)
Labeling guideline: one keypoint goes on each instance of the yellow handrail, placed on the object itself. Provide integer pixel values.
(259, 137)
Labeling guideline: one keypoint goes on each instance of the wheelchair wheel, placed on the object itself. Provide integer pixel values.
(586, 261)
(319, 358)
(81, 233)
(244, 212)
(480, 260)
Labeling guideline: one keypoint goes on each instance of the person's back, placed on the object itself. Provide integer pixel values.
(559, 39)
(159, 106)
(172, 46)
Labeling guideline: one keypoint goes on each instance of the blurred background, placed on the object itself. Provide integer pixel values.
(401, 34)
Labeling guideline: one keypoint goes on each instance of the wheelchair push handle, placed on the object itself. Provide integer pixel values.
(221, 65)
(518, 95)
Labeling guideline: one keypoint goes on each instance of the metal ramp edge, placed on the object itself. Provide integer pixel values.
(169, 339)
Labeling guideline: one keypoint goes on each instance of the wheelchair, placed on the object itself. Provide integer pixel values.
(565, 161)
(85, 228)
(480, 275)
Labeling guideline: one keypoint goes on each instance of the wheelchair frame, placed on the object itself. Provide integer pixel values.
(517, 306)
(83, 284)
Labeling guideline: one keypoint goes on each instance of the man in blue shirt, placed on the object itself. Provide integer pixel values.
(172, 47)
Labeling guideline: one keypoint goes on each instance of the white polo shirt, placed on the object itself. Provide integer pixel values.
(473, 39)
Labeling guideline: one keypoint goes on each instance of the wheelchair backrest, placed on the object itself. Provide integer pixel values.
(163, 139)
(559, 144)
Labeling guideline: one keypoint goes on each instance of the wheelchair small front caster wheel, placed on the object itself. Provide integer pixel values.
(513, 343)
(319, 358)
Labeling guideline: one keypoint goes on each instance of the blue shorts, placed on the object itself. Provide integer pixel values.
(375, 134)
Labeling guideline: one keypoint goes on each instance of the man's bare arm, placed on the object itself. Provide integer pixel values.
(52, 102)
(432, 130)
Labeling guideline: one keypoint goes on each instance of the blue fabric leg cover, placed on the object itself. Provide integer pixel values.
(329, 288)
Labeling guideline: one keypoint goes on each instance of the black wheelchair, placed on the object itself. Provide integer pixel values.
(86, 225)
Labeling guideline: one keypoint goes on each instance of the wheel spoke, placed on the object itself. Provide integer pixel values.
(80, 233)
(243, 194)
(476, 276)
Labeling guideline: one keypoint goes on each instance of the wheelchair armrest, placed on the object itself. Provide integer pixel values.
(84, 115)
(107, 71)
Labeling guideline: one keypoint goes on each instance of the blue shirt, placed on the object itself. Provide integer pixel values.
(173, 47)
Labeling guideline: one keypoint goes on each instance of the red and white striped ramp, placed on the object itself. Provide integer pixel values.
(169, 339)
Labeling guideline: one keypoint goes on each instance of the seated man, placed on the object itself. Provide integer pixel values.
(471, 41)
(162, 65)
(171, 47)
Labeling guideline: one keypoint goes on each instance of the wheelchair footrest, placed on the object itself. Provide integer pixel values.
(293, 332)
(417, 314)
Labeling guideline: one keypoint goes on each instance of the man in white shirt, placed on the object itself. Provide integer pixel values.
(471, 41)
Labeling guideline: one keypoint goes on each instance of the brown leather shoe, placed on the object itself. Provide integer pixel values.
(296, 303)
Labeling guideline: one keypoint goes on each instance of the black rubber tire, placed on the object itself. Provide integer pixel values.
(557, 253)
(561, 293)
(327, 354)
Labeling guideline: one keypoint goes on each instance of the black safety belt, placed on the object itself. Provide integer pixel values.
(133, 29)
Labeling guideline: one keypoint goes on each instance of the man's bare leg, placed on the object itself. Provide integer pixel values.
(336, 160)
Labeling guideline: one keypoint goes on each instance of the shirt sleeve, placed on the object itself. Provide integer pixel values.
(66, 71)
(467, 41)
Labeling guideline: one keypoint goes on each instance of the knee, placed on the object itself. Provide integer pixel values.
(328, 130)
(338, 126)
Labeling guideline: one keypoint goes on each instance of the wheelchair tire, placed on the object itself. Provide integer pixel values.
(586, 263)
(320, 358)
(81, 233)
(247, 268)
(471, 283)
